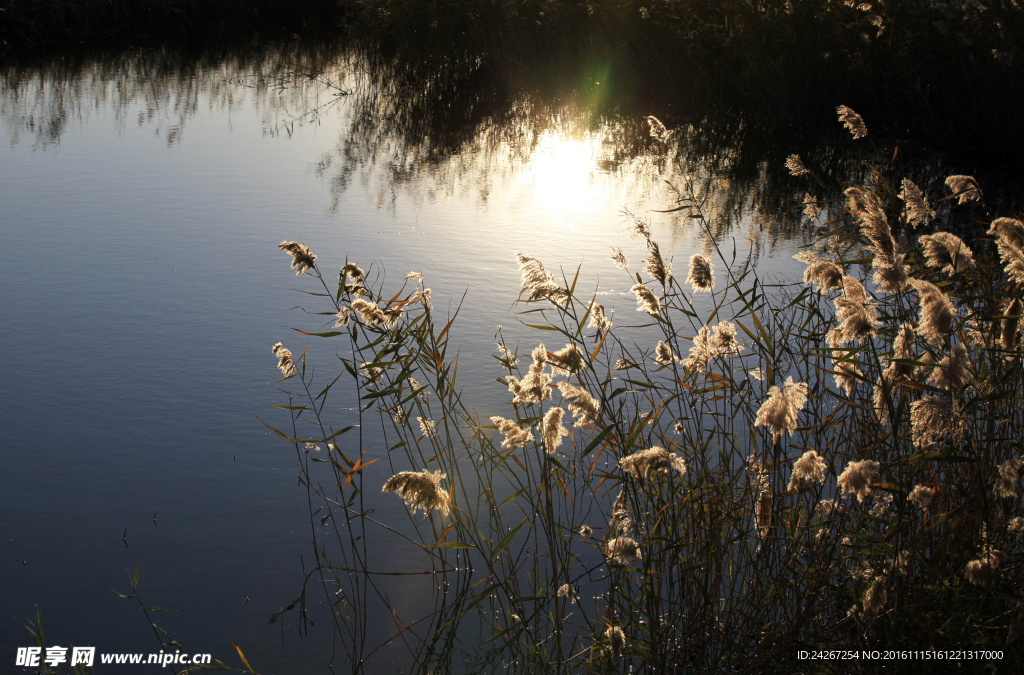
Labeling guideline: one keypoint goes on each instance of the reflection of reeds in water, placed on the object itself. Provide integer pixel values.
(742, 518)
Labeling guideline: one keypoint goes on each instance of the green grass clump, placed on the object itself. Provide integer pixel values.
(704, 488)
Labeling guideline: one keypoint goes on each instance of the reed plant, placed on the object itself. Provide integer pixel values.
(743, 470)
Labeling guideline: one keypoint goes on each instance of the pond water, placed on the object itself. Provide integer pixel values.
(144, 194)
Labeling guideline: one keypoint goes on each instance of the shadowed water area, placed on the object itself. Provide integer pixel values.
(144, 194)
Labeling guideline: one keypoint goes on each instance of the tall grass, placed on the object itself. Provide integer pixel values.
(708, 487)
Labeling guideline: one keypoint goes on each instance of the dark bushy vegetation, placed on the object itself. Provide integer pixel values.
(948, 74)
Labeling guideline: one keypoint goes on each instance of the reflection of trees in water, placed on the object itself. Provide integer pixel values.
(40, 98)
(430, 129)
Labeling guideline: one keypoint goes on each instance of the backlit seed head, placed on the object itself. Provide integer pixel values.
(303, 259)
(420, 490)
(702, 275)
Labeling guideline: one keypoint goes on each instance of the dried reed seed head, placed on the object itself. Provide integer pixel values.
(598, 319)
(1005, 486)
(421, 297)
(618, 257)
(827, 275)
(811, 209)
(1015, 526)
(508, 357)
(933, 419)
(724, 339)
(369, 312)
(533, 388)
(948, 252)
(1008, 336)
(964, 187)
(586, 530)
(342, 317)
(303, 259)
(624, 364)
(616, 640)
(867, 208)
(652, 461)
(564, 591)
(1009, 231)
(702, 274)
(763, 512)
(624, 550)
(796, 166)
(937, 312)
(427, 427)
(892, 278)
(645, 300)
(658, 130)
(982, 572)
(537, 280)
(953, 371)
(701, 351)
(414, 276)
(656, 266)
(856, 478)
(809, 469)
(515, 436)
(552, 429)
(852, 121)
(663, 353)
(878, 399)
(873, 603)
(400, 417)
(779, 412)
(827, 507)
(352, 270)
(847, 375)
(284, 360)
(857, 314)
(921, 495)
(902, 348)
(916, 210)
(420, 490)
(582, 405)
(566, 361)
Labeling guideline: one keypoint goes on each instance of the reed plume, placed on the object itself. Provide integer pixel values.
(921, 495)
(534, 387)
(948, 252)
(515, 436)
(552, 429)
(652, 461)
(780, 410)
(796, 166)
(646, 300)
(856, 478)
(852, 121)
(284, 360)
(582, 405)
(827, 275)
(932, 419)
(303, 259)
(953, 371)
(702, 274)
(1009, 234)
(663, 353)
(811, 209)
(916, 209)
(937, 312)
(965, 188)
(370, 313)
(624, 550)
(566, 361)
(420, 490)
(810, 468)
